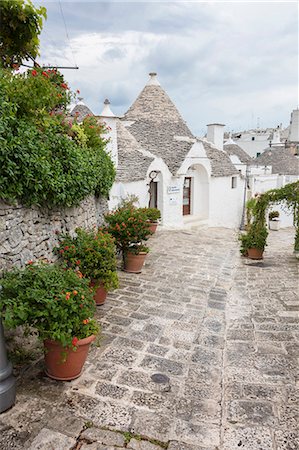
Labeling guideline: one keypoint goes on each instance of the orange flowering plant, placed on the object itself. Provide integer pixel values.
(92, 252)
(129, 226)
(54, 301)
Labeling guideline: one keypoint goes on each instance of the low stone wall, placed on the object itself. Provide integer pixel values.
(29, 233)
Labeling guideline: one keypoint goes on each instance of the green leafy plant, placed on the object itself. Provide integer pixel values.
(92, 252)
(21, 25)
(129, 227)
(257, 232)
(43, 162)
(52, 300)
(256, 237)
(273, 215)
(152, 214)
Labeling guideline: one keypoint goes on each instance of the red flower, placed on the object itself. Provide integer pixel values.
(78, 262)
(34, 73)
(78, 92)
(30, 262)
(64, 86)
(81, 305)
(85, 321)
(74, 341)
(61, 252)
(66, 247)
(75, 292)
(67, 295)
(45, 74)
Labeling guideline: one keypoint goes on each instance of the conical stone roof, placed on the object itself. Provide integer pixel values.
(156, 122)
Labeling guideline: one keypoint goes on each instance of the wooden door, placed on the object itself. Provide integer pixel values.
(153, 191)
(187, 196)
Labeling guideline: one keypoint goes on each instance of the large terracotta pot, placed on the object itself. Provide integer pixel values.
(153, 226)
(65, 363)
(133, 263)
(100, 292)
(255, 253)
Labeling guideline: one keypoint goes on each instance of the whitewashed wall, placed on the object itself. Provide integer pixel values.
(226, 204)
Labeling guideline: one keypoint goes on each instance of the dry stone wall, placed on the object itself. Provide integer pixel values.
(29, 233)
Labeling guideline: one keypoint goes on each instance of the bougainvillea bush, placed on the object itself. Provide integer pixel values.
(54, 301)
(43, 160)
(92, 252)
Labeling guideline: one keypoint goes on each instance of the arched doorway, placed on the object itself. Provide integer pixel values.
(196, 192)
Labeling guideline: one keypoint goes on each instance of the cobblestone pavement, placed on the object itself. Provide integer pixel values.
(200, 352)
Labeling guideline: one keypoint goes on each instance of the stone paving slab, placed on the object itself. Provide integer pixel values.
(199, 352)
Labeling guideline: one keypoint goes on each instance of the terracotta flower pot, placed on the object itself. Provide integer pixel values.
(133, 263)
(65, 363)
(100, 292)
(255, 253)
(153, 226)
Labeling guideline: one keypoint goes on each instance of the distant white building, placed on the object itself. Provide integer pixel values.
(255, 141)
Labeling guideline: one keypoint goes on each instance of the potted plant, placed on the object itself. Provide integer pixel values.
(153, 215)
(92, 252)
(129, 227)
(274, 222)
(58, 304)
(253, 242)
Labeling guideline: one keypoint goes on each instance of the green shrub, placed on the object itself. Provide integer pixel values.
(52, 300)
(129, 227)
(93, 253)
(42, 162)
(152, 214)
(273, 215)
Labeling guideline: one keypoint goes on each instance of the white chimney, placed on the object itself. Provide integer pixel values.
(109, 120)
(294, 126)
(276, 137)
(215, 134)
(153, 80)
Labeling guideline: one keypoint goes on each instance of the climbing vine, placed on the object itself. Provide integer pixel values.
(256, 235)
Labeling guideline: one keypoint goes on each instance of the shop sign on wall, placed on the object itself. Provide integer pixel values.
(173, 189)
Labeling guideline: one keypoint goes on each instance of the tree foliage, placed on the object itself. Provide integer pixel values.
(42, 161)
(21, 25)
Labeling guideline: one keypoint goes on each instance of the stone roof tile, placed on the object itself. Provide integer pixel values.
(221, 164)
(132, 164)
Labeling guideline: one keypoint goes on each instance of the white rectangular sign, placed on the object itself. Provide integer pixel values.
(173, 189)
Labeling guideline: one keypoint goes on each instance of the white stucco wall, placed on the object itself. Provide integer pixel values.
(121, 191)
(226, 204)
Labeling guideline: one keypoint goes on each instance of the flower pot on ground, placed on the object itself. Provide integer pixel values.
(92, 252)
(253, 242)
(57, 304)
(134, 258)
(274, 222)
(64, 363)
(100, 293)
(153, 215)
(129, 226)
(255, 253)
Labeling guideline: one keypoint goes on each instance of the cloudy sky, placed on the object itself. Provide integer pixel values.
(228, 62)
